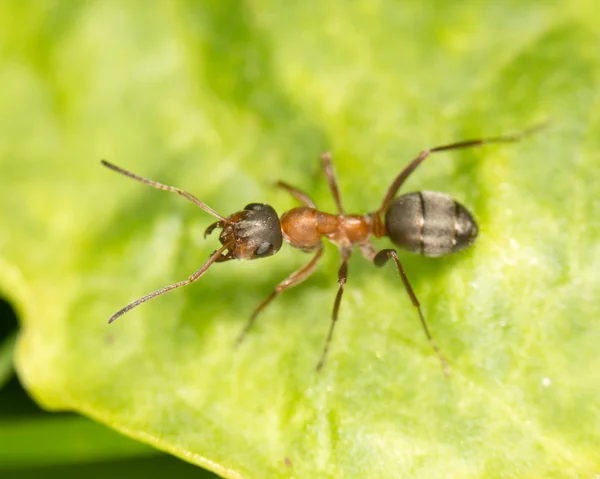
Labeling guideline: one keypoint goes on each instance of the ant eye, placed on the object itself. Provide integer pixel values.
(254, 206)
(264, 249)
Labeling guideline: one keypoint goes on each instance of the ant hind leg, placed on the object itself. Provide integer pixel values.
(380, 259)
(412, 166)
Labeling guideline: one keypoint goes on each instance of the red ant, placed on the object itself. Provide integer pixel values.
(424, 222)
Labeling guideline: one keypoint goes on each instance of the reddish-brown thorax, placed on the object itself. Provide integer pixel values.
(304, 227)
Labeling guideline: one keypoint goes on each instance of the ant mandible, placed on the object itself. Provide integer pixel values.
(423, 222)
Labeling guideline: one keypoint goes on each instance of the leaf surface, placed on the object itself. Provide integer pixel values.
(225, 98)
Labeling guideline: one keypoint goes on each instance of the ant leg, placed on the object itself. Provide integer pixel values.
(380, 260)
(292, 280)
(412, 166)
(332, 180)
(342, 277)
(160, 186)
(296, 193)
(214, 257)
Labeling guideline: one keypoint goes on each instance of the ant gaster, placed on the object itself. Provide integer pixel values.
(424, 222)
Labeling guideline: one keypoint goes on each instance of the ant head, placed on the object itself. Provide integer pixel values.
(254, 232)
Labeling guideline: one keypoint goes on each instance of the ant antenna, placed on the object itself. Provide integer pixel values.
(160, 186)
(214, 257)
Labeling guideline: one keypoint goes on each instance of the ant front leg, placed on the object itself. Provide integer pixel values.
(296, 193)
(294, 279)
(380, 259)
(342, 278)
(327, 166)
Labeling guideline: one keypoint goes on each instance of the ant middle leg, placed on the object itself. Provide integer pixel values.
(342, 278)
(292, 280)
(380, 259)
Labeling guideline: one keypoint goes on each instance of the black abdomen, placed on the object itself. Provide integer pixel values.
(429, 223)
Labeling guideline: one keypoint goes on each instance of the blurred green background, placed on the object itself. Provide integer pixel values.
(223, 98)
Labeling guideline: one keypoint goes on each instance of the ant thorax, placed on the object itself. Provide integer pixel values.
(305, 227)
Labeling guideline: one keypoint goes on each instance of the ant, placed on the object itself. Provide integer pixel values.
(423, 222)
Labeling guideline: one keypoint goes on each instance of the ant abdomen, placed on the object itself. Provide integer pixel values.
(429, 223)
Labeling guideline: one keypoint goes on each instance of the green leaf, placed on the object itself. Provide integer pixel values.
(224, 98)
